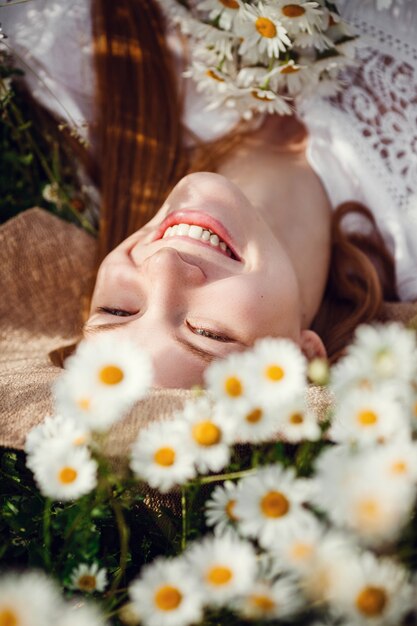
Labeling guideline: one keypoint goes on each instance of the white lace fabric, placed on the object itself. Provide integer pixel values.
(363, 143)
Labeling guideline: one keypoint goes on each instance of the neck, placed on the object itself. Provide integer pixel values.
(273, 172)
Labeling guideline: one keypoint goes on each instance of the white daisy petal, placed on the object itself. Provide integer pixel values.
(88, 578)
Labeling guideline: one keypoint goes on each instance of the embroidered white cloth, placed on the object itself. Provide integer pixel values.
(362, 143)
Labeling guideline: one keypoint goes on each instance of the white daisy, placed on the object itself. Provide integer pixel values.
(351, 492)
(224, 567)
(297, 550)
(271, 502)
(55, 428)
(299, 15)
(297, 422)
(228, 379)
(207, 435)
(256, 423)
(379, 593)
(225, 11)
(386, 351)
(220, 507)
(333, 564)
(261, 27)
(88, 578)
(167, 594)
(279, 371)
(293, 78)
(29, 599)
(315, 39)
(397, 461)
(269, 600)
(102, 381)
(65, 473)
(367, 417)
(160, 457)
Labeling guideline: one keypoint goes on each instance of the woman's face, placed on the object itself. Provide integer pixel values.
(187, 300)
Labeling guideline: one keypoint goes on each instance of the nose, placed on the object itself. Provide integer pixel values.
(169, 274)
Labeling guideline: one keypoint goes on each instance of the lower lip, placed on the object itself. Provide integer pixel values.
(199, 219)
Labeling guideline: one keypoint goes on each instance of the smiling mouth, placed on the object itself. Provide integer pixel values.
(200, 229)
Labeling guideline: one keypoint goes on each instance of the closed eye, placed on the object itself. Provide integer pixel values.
(116, 312)
(205, 332)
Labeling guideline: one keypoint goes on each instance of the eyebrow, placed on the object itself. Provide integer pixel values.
(206, 355)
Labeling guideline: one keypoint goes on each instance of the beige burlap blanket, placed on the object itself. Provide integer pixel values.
(47, 269)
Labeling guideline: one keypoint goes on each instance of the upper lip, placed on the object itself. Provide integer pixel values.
(199, 219)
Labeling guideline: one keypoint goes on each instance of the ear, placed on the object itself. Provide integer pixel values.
(312, 346)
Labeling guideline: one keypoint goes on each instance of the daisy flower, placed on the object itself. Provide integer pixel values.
(279, 371)
(207, 435)
(297, 422)
(88, 578)
(299, 15)
(396, 461)
(297, 550)
(28, 599)
(314, 39)
(227, 380)
(293, 78)
(160, 457)
(351, 492)
(224, 567)
(367, 417)
(271, 502)
(167, 594)
(386, 351)
(333, 564)
(102, 381)
(379, 593)
(220, 507)
(257, 423)
(65, 473)
(269, 600)
(225, 11)
(55, 428)
(262, 28)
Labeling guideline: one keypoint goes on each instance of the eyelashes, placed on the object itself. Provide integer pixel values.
(197, 330)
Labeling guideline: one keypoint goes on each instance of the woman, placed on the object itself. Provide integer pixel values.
(194, 293)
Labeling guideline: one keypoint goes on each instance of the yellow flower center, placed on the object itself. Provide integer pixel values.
(254, 416)
(293, 10)
(111, 375)
(168, 598)
(372, 601)
(206, 433)
(87, 583)
(230, 4)
(399, 467)
(274, 373)
(67, 475)
(8, 618)
(164, 457)
(290, 69)
(367, 418)
(212, 74)
(369, 511)
(233, 387)
(262, 602)
(274, 504)
(261, 95)
(84, 404)
(219, 575)
(230, 506)
(80, 441)
(265, 27)
(301, 551)
(297, 418)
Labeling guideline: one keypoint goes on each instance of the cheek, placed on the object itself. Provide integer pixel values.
(257, 305)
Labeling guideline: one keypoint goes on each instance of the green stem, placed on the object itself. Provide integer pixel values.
(47, 532)
(184, 518)
(124, 544)
(219, 477)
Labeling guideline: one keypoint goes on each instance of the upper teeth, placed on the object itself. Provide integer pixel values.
(197, 232)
